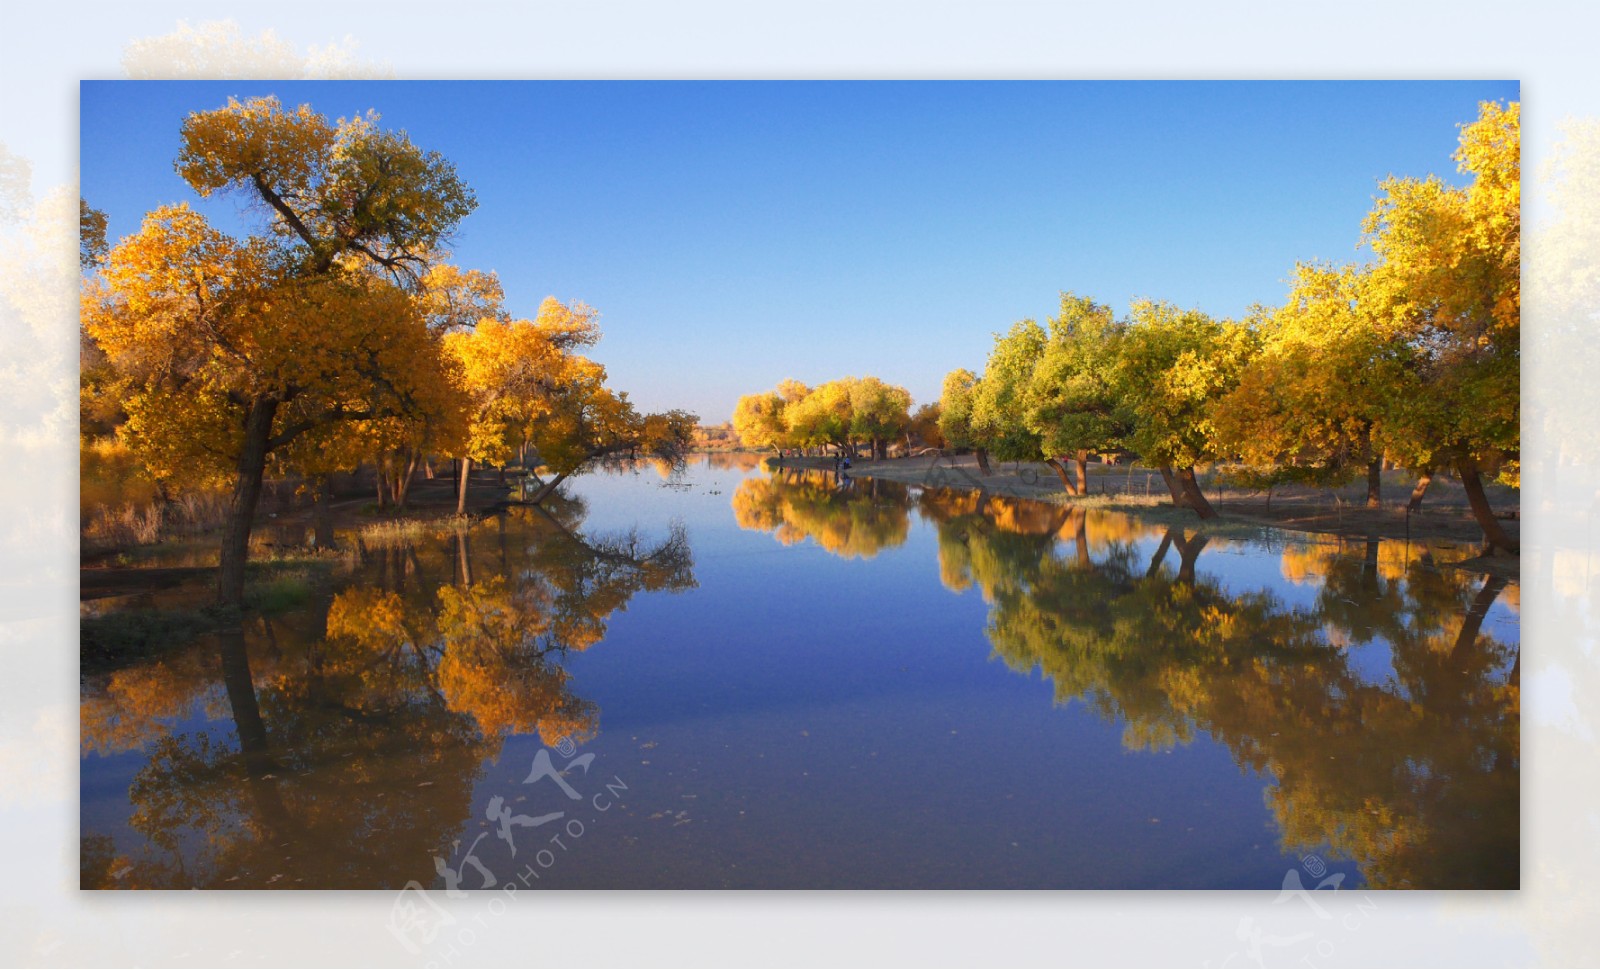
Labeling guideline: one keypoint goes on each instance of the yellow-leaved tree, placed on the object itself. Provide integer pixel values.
(1447, 288)
(515, 373)
(231, 350)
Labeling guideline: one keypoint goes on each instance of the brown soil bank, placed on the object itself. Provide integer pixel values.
(1445, 514)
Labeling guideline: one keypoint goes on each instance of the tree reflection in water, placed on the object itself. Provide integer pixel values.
(854, 518)
(1412, 773)
(364, 723)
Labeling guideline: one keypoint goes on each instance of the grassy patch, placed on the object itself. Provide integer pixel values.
(394, 532)
(279, 593)
(116, 639)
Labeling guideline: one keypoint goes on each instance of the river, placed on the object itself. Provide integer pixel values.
(728, 677)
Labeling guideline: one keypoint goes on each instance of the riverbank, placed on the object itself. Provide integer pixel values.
(1138, 490)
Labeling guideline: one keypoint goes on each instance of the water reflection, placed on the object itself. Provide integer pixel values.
(332, 747)
(1409, 770)
(855, 518)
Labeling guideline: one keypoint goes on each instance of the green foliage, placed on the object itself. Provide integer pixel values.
(1174, 366)
(1000, 398)
(92, 247)
(955, 408)
(878, 410)
(1447, 290)
(1072, 399)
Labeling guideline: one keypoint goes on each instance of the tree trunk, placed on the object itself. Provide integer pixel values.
(322, 513)
(465, 474)
(1178, 498)
(1194, 498)
(379, 474)
(402, 484)
(548, 487)
(1493, 531)
(1061, 473)
(983, 461)
(1375, 483)
(248, 472)
(1082, 460)
(1415, 504)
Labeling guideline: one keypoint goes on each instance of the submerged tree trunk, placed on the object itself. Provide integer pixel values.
(1493, 531)
(248, 472)
(1375, 483)
(1426, 479)
(465, 476)
(1193, 497)
(983, 460)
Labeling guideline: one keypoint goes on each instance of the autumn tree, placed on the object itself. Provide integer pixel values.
(1447, 285)
(999, 398)
(240, 347)
(759, 422)
(668, 434)
(878, 412)
(955, 414)
(924, 426)
(823, 417)
(1173, 367)
(229, 360)
(517, 374)
(92, 246)
(1072, 403)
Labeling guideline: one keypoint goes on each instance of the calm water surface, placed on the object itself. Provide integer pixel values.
(735, 678)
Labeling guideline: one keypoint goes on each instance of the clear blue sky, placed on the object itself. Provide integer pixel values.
(733, 234)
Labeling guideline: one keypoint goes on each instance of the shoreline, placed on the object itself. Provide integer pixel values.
(1139, 491)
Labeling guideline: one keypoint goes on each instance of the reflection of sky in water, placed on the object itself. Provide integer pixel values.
(800, 718)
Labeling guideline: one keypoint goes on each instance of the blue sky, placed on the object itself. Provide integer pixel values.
(733, 234)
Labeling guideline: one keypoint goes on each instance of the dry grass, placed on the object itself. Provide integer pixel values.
(393, 532)
(120, 507)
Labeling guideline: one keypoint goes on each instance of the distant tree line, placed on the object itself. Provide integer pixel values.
(839, 414)
(1412, 358)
